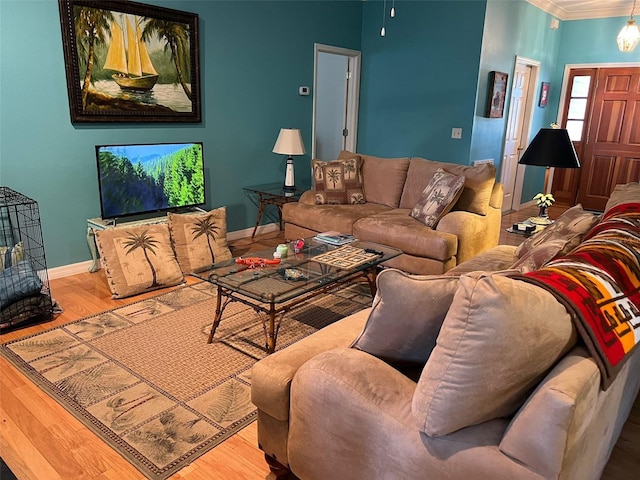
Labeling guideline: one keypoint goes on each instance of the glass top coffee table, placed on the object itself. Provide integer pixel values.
(274, 289)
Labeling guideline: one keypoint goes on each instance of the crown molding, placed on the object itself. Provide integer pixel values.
(589, 9)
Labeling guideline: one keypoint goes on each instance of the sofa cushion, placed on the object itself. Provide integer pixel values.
(406, 317)
(500, 257)
(398, 229)
(325, 218)
(493, 348)
(199, 240)
(478, 185)
(570, 228)
(338, 182)
(138, 259)
(440, 194)
(384, 178)
(623, 193)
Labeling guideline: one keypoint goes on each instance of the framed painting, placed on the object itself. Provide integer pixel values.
(544, 94)
(496, 95)
(130, 62)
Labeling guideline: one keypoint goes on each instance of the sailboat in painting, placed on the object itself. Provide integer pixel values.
(134, 67)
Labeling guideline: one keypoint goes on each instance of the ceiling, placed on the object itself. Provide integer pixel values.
(581, 9)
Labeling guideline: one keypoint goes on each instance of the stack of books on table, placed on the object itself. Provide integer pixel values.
(335, 238)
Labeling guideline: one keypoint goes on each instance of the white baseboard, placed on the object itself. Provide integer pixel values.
(68, 270)
(82, 267)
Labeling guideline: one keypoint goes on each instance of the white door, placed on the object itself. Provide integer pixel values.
(335, 101)
(516, 135)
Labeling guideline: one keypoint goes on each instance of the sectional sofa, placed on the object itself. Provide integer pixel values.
(392, 187)
(481, 373)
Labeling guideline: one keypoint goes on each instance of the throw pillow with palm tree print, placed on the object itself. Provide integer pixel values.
(138, 259)
(438, 197)
(199, 240)
(338, 182)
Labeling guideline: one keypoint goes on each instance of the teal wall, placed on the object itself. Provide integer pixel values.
(253, 57)
(514, 28)
(419, 80)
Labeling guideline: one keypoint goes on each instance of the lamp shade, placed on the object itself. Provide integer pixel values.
(289, 142)
(551, 147)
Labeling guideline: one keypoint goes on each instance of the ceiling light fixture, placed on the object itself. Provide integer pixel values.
(629, 36)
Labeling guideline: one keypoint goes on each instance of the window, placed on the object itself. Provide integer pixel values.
(577, 110)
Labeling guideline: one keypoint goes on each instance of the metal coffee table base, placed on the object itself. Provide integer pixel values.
(271, 314)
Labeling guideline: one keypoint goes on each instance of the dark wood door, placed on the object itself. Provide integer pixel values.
(611, 152)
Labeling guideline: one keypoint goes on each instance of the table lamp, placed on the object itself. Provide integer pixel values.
(289, 143)
(551, 147)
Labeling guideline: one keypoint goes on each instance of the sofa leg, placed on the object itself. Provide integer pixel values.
(278, 471)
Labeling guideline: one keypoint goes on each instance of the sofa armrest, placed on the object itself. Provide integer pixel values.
(471, 231)
(568, 426)
(350, 414)
(308, 197)
(271, 377)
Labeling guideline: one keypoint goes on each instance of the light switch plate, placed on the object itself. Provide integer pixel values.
(456, 133)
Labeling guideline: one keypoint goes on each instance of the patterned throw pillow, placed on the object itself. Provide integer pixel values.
(338, 182)
(569, 227)
(438, 197)
(138, 259)
(199, 240)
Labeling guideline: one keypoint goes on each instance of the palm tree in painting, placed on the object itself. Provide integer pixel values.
(92, 29)
(176, 36)
(147, 244)
(207, 227)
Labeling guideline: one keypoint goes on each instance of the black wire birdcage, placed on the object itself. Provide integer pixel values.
(25, 296)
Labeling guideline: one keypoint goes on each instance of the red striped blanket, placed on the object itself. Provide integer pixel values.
(599, 283)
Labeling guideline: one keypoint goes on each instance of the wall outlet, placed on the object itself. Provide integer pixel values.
(480, 162)
(456, 133)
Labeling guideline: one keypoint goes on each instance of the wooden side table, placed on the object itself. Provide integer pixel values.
(271, 194)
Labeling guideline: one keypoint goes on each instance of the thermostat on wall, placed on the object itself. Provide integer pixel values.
(304, 90)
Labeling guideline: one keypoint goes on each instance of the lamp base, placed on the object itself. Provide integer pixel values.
(289, 177)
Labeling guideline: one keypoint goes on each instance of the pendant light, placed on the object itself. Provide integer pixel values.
(629, 36)
(393, 9)
(384, 9)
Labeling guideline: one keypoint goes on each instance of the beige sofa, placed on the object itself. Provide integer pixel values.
(391, 188)
(508, 390)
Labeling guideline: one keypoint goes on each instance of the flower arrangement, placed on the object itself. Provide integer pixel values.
(544, 200)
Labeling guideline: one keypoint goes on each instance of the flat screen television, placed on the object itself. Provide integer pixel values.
(143, 178)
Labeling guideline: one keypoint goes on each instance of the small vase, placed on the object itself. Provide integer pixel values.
(543, 212)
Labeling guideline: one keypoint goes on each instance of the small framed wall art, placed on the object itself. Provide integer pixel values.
(496, 95)
(130, 62)
(544, 94)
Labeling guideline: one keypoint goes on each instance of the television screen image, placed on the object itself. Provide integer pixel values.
(144, 178)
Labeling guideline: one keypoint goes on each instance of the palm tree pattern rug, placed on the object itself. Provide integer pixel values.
(144, 379)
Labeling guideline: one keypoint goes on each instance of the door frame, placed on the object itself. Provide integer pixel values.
(516, 202)
(353, 92)
(565, 80)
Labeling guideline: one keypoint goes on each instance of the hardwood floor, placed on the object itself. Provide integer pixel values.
(40, 440)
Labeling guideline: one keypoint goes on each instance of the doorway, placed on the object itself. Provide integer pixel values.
(601, 111)
(518, 128)
(335, 101)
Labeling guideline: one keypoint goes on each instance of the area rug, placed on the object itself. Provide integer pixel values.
(143, 378)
